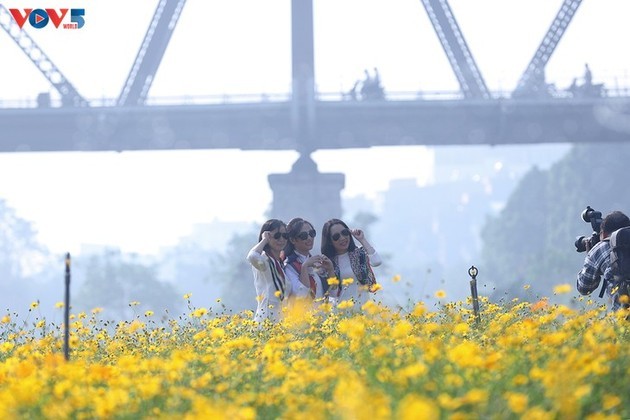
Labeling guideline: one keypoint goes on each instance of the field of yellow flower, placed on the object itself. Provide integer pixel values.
(521, 360)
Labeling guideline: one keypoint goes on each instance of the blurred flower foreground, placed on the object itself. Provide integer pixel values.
(520, 360)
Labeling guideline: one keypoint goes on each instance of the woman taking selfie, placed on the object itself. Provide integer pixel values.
(307, 273)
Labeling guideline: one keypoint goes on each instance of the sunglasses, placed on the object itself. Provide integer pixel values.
(304, 235)
(277, 235)
(336, 236)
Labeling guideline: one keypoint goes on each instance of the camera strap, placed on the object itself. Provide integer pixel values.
(603, 289)
(605, 282)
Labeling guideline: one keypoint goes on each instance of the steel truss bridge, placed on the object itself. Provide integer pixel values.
(306, 120)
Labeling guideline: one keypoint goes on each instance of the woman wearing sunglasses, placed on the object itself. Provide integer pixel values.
(269, 278)
(305, 271)
(349, 261)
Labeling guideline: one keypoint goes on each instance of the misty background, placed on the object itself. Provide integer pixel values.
(512, 211)
(432, 212)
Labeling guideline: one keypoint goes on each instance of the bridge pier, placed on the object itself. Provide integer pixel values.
(305, 192)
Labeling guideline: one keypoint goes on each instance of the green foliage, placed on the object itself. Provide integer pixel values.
(234, 274)
(189, 267)
(19, 249)
(113, 281)
(531, 240)
(364, 220)
(22, 260)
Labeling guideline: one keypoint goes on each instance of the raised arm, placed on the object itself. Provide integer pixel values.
(375, 258)
(255, 257)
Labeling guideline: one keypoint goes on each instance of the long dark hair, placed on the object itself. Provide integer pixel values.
(269, 225)
(328, 249)
(294, 227)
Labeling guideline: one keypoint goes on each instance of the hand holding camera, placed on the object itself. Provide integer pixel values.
(583, 243)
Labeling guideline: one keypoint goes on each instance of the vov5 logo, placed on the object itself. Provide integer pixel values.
(39, 18)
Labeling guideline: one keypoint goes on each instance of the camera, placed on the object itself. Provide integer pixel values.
(595, 219)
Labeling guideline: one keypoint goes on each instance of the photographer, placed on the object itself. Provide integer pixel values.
(597, 258)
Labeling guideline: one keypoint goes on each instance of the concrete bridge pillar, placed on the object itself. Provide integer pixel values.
(305, 192)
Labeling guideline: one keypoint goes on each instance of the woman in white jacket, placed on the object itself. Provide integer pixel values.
(272, 289)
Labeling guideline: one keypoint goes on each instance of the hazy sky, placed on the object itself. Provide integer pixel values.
(143, 200)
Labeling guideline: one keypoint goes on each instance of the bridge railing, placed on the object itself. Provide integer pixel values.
(220, 99)
(181, 100)
(396, 96)
(46, 101)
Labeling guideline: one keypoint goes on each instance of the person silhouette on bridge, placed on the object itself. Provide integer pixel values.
(589, 89)
(366, 86)
(379, 92)
(352, 94)
(371, 88)
(588, 76)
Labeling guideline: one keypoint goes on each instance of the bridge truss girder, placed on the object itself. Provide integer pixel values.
(460, 57)
(533, 79)
(151, 52)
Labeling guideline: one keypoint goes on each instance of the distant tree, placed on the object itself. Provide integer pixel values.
(531, 240)
(20, 252)
(364, 220)
(514, 240)
(21, 258)
(113, 280)
(232, 271)
(217, 280)
(189, 267)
